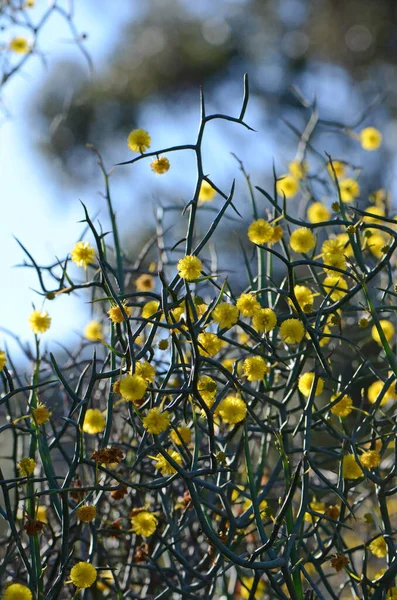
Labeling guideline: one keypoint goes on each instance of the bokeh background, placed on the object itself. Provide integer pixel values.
(148, 61)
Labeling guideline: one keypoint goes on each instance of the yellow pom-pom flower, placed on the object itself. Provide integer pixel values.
(83, 575)
(164, 466)
(255, 368)
(26, 466)
(207, 389)
(349, 189)
(338, 167)
(41, 414)
(94, 421)
(19, 45)
(335, 286)
(371, 138)
(39, 322)
(144, 283)
(93, 331)
(375, 389)
(304, 296)
(83, 254)
(305, 384)
(292, 331)
(156, 421)
(264, 320)
(209, 343)
(145, 370)
(225, 314)
(184, 432)
(260, 232)
(17, 591)
(333, 246)
(3, 360)
(86, 513)
(207, 192)
(333, 260)
(377, 244)
(287, 186)
(139, 140)
(232, 409)
(298, 169)
(115, 314)
(302, 240)
(388, 331)
(350, 467)
(370, 459)
(132, 387)
(344, 407)
(247, 304)
(144, 523)
(160, 165)
(378, 547)
(317, 212)
(190, 267)
(149, 309)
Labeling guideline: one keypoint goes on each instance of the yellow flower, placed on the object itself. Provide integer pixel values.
(41, 514)
(144, 283)
(207, 192)
(305, 384)
(344, 240)
(339, 168)
(86, 513)
(190, 267)
(376, 243)
(94, 421)
(304, 296)
(149, 309)
(376, 211)
(245, 589)
(207, 389)
(387, 328)
(93, 331)
(232, 409)
(333, 246)
(164, 466)
(209, 344)
(344, 407)
(260, 232)
(39, 322)
(184, 432)
(247, 304)
(3, 360)
(145, 370)
(264, 320)
(27, 466)
(334, 260)
(277, 235)
(371, 138)
(317, 212)
(115, 314)
(160, 165)
(41, 414)
(302, 240)
(370, 459)
(378, 547)
(17, 591)
(20, 45)
(255, 368)
(83, 254)
(225, 314)
(156, 421)
(349, 189)
(375, 389)
(83, 575)
(144, 523)
(338, 286)
(292, 331)
(316, 506)
(132, 387)
(288, 186)
(139, 140)
(350, 468)
(298, 169)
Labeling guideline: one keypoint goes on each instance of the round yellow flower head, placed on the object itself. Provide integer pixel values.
(83, 575)
(345, 242)
(260, 232)
(19, 45)
(377, 244)
(316, 506)
(388, 331)
(160, 165)
(156, 421)
(298, 169)
(232, 409)
(149, 309)
(376, 211)
(302, 240)
(207, 192)
(3, 360)
(144, 283)
(139, 140)
(287, 186)
(264, 320)
(375, 389)
(333, 246)
(339, 168)
(27, 466)
(132, 387)
(305, 384)
(292, 331)
(333, 260)
(317, 212)
(190, 267)
(86, 513)
(370, 459)
(371, 138)
(143, 523)
(247, 585)
(41, 414)
(206, 386)
(164, 466)
(83, 254)
(17, 591)
(209, 343)
(304, 296)
(349, 189)
(225, 314)
(344, 407)
(255, 368)
(39, 322)
(378, 547)
(115, 314)
(350, 468)
(277, 235)
(93, 331)
(184, 432)
(145, 370)
(247, 304)
(335, 286)
(94, 421)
